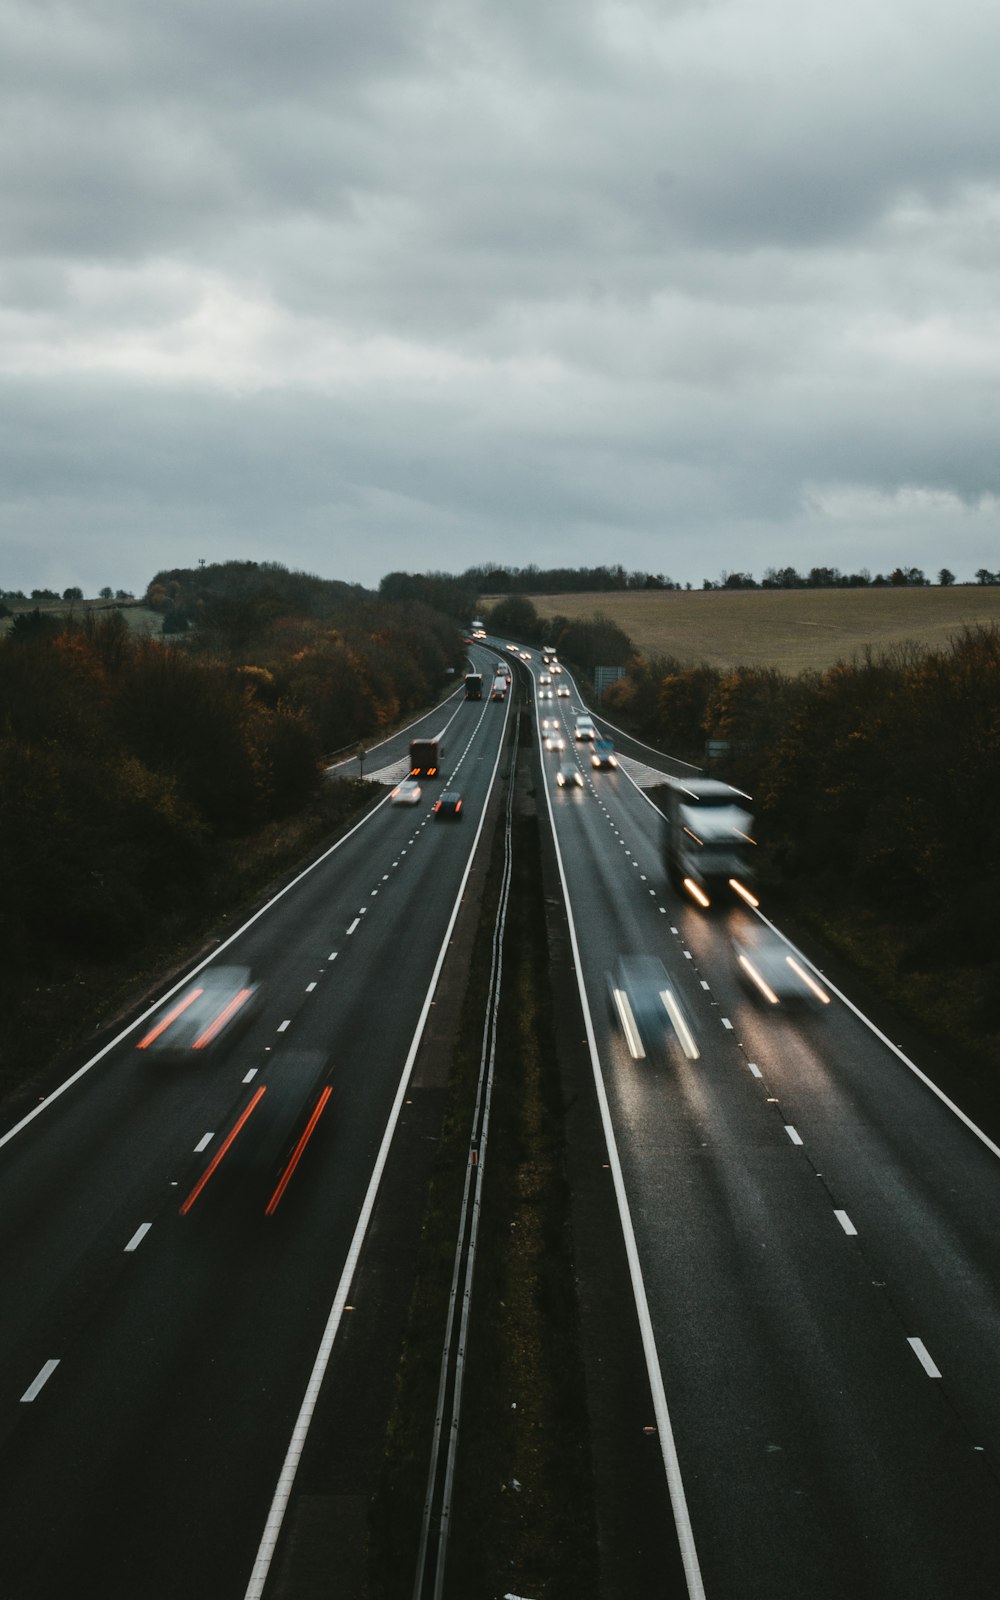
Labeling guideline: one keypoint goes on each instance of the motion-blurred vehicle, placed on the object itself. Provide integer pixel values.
(554, 741)
(525, 655)
(406, 793)
(448, 806)
(647, 1007)
(545, 694)
(774, 973)
(425, 757)
(549, 723)
(514, 648)
(604, 755)
(211, 1007)
(707, 840)
(569, 776)
(499, 690)
(562, 690)
(585, 729)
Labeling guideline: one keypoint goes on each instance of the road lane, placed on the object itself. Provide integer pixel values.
(816, 1450)
(147, 1462)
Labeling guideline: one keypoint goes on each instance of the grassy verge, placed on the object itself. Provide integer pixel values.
(52, 1016)
(523, 1517)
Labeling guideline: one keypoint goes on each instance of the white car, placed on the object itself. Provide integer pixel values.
(555, 741)
(562, 691)
(406, 793)
(216, 1003)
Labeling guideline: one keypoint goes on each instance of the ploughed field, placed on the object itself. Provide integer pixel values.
(792, 629)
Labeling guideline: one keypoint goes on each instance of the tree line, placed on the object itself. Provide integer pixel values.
(130, 765)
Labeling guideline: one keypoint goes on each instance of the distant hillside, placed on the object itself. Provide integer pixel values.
(790, 629)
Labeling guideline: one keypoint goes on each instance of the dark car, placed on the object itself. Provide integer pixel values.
(646, 1005)
(448, 806)
(569, 777)
(208, 1009)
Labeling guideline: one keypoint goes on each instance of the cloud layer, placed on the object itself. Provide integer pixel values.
(695, 286)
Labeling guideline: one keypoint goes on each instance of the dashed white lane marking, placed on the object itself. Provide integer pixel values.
(672, 928)
(920, 1351)
(687, 955)
(251, 1074)
(846, 1223)
(373, 894)
(754, 1068)
(310, 987)
(792, 1133)
(725, 1021)
(663, 912)
(206, 1139)
(283, 1025)
(332, 956)
(35, 1388)
(140, 1233)
(354, 924)
(362, 911)
(385, 875)
(704, 983)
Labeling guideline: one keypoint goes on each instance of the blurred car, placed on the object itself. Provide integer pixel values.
(209, 1009)
(448, 805)
(774, 973)
(514, 648)
(585, 729)
(569, 776)
(603, 754)
(549, 722)
(562, 691)
(647, 1007)
(406, 793)
(555, 741)
(545, 694)
(555, 666)
(525, 655)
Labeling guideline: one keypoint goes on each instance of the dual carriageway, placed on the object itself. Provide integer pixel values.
(806, 1227)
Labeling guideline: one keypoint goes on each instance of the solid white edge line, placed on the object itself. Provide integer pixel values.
(35, 1388)
(897, 1052)
(846, 1223)
(286, 1478)
(665, 1432)
(354, 925)
(920, 1351)
(140, 1233)
(74, 1077)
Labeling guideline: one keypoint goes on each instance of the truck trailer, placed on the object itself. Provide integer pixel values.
(706, 841)
(425, 757)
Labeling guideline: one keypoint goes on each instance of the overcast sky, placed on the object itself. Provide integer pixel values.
(701, 286)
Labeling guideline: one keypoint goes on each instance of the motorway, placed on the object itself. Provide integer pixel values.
(811, 1233)
(817, 1263)
(155, 1349)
